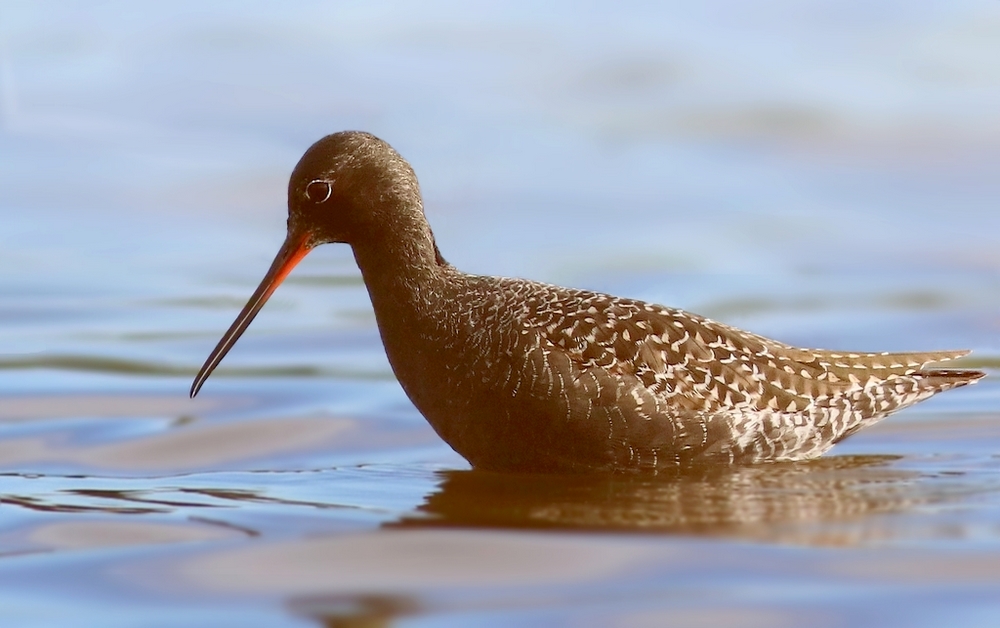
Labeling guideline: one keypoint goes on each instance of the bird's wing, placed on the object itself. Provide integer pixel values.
(700, 365)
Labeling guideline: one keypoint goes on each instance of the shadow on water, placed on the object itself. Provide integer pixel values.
(775, 502)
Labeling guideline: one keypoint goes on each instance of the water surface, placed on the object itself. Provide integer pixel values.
(817, 172)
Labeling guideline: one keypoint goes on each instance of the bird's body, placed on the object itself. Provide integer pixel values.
(517, 375)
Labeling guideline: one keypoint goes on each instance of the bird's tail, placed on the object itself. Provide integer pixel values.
(945, 379)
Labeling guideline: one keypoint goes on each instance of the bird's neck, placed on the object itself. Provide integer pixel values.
(414, 295)
(404, 273)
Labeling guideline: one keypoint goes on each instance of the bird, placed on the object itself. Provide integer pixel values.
(527, 377)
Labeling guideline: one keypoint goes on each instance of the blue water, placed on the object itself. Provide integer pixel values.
(820, 172)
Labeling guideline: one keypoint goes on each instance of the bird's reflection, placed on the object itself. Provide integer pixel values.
(832, 500)
(767, 502)
(357, 611)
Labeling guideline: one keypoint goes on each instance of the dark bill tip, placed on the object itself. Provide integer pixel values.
(291, 253)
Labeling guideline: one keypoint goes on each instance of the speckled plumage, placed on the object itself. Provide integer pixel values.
(523, 376)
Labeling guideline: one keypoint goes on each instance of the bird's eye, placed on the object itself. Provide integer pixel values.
(318, 191)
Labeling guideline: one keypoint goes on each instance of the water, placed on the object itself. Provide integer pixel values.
(823, 173)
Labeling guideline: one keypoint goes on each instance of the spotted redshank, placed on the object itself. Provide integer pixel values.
(523, 376)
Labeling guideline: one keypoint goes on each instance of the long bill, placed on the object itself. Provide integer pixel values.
(295, 248)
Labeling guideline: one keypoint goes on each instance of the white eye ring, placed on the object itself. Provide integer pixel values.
(313, 194)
